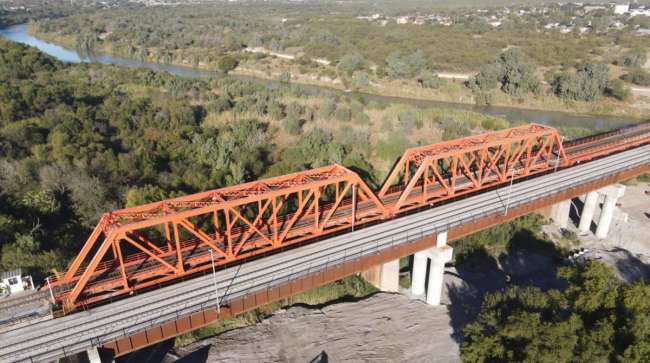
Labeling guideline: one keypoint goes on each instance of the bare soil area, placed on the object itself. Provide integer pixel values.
(381, 328)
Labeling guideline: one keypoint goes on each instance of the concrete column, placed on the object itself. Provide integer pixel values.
(93, 355)
(561, 213)
(441, 239)
(587, 215)
(607, 213)
(419, 273)
(439, 256)
(389, 280)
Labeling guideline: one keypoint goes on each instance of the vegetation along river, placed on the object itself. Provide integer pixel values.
(19, 33)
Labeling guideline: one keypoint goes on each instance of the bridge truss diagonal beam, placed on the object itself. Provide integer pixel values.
(441, 171)
(146, 245)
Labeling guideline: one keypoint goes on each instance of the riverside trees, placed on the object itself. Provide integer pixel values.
(597, 318)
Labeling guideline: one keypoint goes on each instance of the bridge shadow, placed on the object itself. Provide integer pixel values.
(198, 356)
(630, 267)
(322, 357)
(152, 354)
(527, 261)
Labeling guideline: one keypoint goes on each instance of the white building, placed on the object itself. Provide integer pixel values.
(13, 282)
(621, 8)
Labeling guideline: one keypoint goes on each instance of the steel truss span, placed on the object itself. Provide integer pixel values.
(145, 246)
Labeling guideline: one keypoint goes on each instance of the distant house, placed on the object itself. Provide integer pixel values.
(620, 9)
(14, 282)
(643, 31)
(402, 20)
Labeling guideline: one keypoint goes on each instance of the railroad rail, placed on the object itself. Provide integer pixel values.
(129, 324)
(143, 247)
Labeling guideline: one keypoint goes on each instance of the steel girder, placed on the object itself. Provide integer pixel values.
(140, 247)
(432, 173)
(143, 246)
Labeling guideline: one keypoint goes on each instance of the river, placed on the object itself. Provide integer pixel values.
(19, 33)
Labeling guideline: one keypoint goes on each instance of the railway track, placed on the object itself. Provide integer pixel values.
(76, 332)
(197, 256)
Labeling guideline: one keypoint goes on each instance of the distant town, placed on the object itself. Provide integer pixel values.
(565, 17)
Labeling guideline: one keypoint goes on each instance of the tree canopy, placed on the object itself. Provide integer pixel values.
(597, 318)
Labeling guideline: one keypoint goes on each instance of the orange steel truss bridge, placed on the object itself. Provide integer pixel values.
(143, 247)
(277, 237)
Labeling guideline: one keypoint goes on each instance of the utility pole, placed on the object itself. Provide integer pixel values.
(47, 279)
(214, 281)
(354, 205)
(512, 178)
(557, 160)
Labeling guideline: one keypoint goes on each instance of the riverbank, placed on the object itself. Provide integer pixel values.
(451, 91)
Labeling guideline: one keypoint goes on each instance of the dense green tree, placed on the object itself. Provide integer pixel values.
(512, 70)
(350, 63)
(405, 66)
(597, 318)
(587, 84)
(227, 63)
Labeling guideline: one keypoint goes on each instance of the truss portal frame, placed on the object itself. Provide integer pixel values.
(432, 173)
(143, 246)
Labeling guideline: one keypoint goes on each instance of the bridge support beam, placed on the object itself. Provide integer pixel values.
(588, 210)
(612, 194)
(439, 255)
(560, 213)
(419, 273)
(385, 277)
(99, 355)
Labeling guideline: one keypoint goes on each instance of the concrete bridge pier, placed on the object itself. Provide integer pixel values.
(560, 213)
(612, 193)
(98, 355)
(438, 256)
(588, 210)
(385, 277)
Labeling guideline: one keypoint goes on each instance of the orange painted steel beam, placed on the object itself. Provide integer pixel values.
(141, 247)
(130, 248)
(433, 173)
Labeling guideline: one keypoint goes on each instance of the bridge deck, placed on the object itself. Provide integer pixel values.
(77, 332)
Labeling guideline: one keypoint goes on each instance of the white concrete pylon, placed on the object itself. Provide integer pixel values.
(612, 193)
(561, 212)
(419, 273)
(93, 355)
(439, 256)
(441, 239)
(389, 276)
(588, 210)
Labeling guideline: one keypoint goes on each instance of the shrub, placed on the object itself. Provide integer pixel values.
(431, 80)
(618, 90)
(285, 77)
(350, 63)
(343, 113)
(227, 63)
(360, 79)
(292, 126)
(587, 84)
(638, 76)
(512, 70)
(328, 108)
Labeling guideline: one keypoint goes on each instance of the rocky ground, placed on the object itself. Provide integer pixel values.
(627, 246)
(381, 328)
